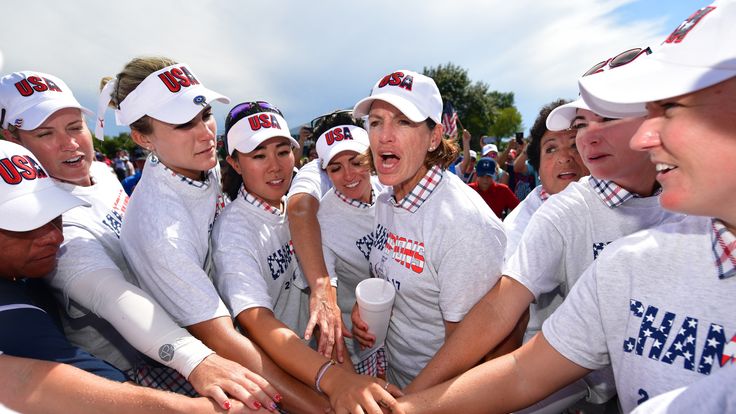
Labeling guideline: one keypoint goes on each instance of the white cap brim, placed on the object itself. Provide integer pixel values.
(240, 137)
(561, 117)
(34, 210)
(351, 145)
(37, 114)
(180, 109)
(363, 107)
(623, 92)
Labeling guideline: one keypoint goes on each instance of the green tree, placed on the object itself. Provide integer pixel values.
(111, 144)
(477, 106)
(506, 123)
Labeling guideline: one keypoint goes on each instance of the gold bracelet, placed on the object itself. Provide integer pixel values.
(321, 373)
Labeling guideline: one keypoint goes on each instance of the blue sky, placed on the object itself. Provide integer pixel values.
(309, 58)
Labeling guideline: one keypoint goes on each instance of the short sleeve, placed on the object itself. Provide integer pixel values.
(468, 270)
(575, 329)
(238, 275)
(167, 268)
(310, 180)
(537, 261)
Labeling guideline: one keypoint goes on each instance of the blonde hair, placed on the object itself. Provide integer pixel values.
(133, 73)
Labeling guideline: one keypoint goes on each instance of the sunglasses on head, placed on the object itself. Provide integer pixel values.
(618, 60)
(244, 109)
(318, 120)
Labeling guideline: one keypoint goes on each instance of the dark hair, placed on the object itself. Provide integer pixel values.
(444, 155)
(231, 180)
(537, 131)
(332, 120)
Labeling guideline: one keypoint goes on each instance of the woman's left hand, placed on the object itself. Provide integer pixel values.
(217, 377)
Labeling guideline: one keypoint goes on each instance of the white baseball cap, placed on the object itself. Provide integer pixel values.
(339, 139)
(29, 198)
(412, 93)
(173, 94)
(473, 154)
(561, 117)
(488, 148)
(28, 98)
(248, 125)
(699, 53)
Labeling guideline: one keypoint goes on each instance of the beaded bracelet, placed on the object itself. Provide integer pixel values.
(321, 373)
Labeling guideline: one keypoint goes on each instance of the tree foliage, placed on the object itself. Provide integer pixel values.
(111, 144)
(481, 111)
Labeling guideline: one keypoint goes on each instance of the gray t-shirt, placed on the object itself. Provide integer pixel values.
(347, 236)
(653, 307)
(255, 264)
(166, 239)
(441, 258)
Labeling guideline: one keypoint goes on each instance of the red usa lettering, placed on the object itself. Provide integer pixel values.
(32, 84)
(263, 121)
(406, 252)
(338, 134)
(18, 167)
(397, 79)
(177, 78)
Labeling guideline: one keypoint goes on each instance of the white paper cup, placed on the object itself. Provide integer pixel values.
(375, 298)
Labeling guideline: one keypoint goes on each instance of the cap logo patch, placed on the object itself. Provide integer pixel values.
(17, 168)
(684, 28)
(200, 100)
(397, 79)
(18, 123)
(178, 78)
(32, 84)
(263, 121)
(338, 134)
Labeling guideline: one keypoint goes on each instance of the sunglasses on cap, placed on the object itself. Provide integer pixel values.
(318, 120)
(618, 60)
(244, 109)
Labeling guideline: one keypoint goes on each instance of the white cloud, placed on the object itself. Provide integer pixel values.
(312, 57)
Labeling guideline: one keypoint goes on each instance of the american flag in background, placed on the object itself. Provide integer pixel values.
(449, 120)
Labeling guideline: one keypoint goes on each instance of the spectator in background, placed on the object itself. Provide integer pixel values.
(465, 168)
(525, 175)
(498, 196)
(139, 161)
(491, 151)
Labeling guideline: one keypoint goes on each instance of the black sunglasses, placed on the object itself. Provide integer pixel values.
(244, 109)
(318, 120)
(618, 60)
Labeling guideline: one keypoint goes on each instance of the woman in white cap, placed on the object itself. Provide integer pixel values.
(42, 372)
(658, 305)
(166, 232)
(256, 270)
(564, 236)
(346, 215)
(435, 239)
(93, 280)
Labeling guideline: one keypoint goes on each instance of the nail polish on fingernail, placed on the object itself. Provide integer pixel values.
(257, 405)
(226, 404)
(277, 398)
